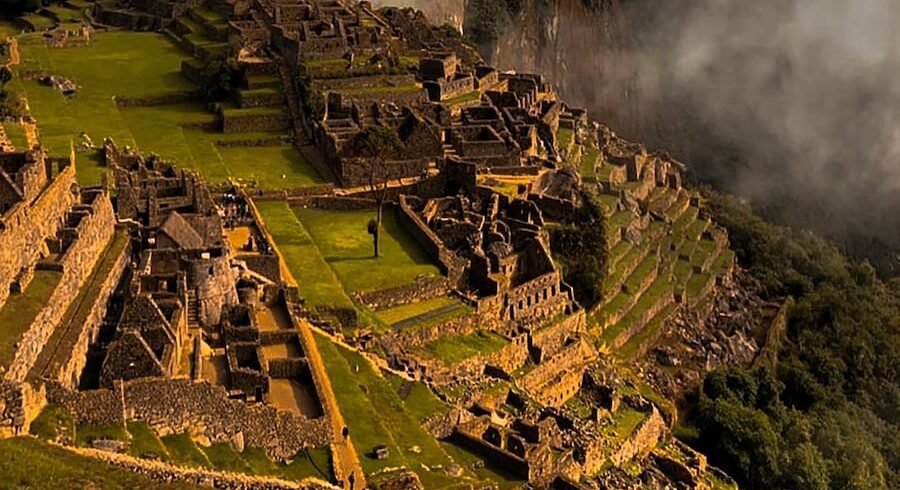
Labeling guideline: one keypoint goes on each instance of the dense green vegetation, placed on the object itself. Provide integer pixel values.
(827, 415)
(486, 20)
(579, 248)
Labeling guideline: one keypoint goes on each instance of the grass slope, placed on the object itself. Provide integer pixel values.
(380, 417)
(29, 463)
(135, 66)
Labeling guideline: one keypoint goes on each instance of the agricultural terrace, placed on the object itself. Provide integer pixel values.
(30, 463)
(55, 423)
(166, 122)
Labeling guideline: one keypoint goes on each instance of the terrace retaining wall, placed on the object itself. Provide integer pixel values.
(67, 363)
(173, 406)
(424, 288)
(94, 234)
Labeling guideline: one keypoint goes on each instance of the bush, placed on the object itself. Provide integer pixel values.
(828, 416)
(12, 104)
(220, 76)
(579, 247)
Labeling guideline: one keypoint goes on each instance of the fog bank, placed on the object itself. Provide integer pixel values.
(791, 103)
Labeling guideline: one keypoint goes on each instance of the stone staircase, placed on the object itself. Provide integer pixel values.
(193, 310)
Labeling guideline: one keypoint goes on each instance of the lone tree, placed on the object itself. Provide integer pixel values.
(375, 145)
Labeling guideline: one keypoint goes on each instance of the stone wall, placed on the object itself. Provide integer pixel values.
(288, 194)
(554, 381)
(547, 342)
(355, 172)
(415, 337)
(214, 282)
(94, 234)
(423, 288)
(68, 361)
(255, 124)
(199, 408)
(165, 473)
(337, 203)
(19, 404)
(24, 227)
(251, 99)
(642, 440)
(168, 99)
(665, 300)
(509, 358)
(267, 266)
(451, 264)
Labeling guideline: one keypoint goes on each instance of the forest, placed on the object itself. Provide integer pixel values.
(826, 416)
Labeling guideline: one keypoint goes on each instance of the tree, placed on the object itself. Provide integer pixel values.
(5, 75)
(580, 247)
(12, 105)
(375, 145)
(219, 76)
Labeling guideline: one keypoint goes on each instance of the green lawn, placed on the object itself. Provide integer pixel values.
(464, 98)
(337, 67)
(484, 470)
(376, 415)
(588, 160)
(138, 65)
(15, 132)
(317, 283)
(30, 463)
(144, 442)
(116, 63)
(184, 451)
(564, 138)
(455, 349)
(53, 423)
(270, 167)
(224, 457)
(380, 90)
(419, 400)
(21, 309)
(625, 421)
(343, 240)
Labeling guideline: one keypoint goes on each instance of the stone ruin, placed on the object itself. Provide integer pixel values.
(198, 304)
(188, 323)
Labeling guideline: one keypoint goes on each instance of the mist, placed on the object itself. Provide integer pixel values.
(437, 11)
(793, 104)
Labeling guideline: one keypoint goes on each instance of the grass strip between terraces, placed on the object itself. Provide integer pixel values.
(21, 309)
(317, 282)
(30, 463)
